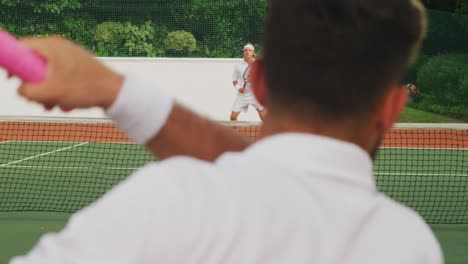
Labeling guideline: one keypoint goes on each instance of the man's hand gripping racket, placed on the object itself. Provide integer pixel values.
(56, 71)
(22, 62)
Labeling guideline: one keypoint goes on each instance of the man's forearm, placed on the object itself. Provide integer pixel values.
(186, 133)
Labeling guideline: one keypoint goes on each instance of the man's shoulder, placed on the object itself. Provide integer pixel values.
(180, 167)
(174, 178)
(400, 212)
(187, 171)
(405, 219)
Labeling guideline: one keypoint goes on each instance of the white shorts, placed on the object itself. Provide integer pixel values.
(242, 103)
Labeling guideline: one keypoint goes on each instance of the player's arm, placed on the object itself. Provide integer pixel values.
(186, 133)
(237, 87)
(75, 79)
(235, 78)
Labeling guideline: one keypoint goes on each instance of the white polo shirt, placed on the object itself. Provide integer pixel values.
(238, 75)
(290, 198)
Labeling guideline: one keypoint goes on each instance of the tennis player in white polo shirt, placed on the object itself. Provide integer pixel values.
(241, 81)
(304, 193)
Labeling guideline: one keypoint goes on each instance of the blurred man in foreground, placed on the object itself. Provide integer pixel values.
(304, 193)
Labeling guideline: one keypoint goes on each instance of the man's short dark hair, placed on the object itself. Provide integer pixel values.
(336, 57)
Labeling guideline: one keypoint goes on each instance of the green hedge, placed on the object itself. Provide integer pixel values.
(443, 81)
(141, 27)
(180, 43)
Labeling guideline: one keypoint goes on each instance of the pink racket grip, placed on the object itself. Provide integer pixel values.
(20, 60)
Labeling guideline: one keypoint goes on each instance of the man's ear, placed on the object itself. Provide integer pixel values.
(257, 75)
(393, 103)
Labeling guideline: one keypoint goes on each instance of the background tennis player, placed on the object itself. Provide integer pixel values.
(241, 81)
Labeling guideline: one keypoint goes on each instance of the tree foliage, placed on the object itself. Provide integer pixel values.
(444, 82)
(181, 42)
(121, 39)
(220, 28)
(462, 7)
(457, 6)
(140, 27)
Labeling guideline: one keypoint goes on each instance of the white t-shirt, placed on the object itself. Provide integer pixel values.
(241, 72)
(289, 198)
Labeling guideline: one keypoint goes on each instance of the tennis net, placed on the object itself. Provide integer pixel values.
(62, 165)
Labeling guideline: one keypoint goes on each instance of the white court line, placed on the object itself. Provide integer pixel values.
(42, 154)
(420, 174)
(7, 141)
(133, 143)
(44, 141)
(72, 168)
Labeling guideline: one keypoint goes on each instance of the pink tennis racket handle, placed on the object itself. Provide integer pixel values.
(20, 60)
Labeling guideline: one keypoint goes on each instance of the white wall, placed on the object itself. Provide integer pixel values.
(203, 85)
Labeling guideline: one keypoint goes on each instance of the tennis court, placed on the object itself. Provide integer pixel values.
(71, 174)
(20, 232)
(433, 181)
(50, 169)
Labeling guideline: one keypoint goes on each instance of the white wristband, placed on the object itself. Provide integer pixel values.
(237, 86)
(140, 110)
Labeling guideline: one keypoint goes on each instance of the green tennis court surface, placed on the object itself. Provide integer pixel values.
(40, 179)
(20, 232)
(432, 181)
(62, 176)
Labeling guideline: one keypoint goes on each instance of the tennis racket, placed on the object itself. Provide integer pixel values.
(246, 75)
(21, 61)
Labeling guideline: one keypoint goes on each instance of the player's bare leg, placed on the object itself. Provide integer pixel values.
(262, 114)
(234, 116)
